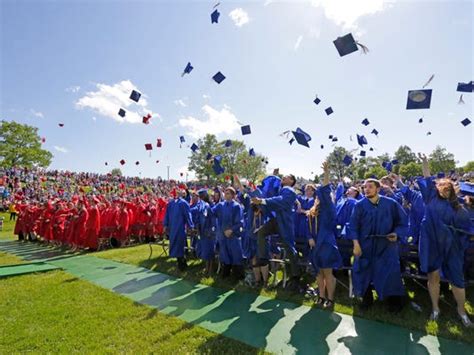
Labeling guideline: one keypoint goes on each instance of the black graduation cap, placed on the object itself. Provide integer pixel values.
(347, 160)
(346, 45)
(181, 139)
(428, 133)
(317, 100)
(302, 137)
(365, 122)
(291, 141)
(361, 140)
(228, 143)
(374, 131)
(246, 130)
(137, 163)
(466, 122)
(371, 149)
(466, 87)
(194, 147)
(219, 77)
(329, 111)
(252, 152)
(334, 139)
(420, 120)
(362, 153)
(215, 16)
(419, 99)
(135, 95)
(122, 162)
(106, 164)
(395, 161)
(322, 146)
(122, 112)
(331, 136)
(188, 69)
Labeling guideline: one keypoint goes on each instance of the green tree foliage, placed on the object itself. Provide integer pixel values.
(116, 172)
(20, 145)
(469, 167)
(235, 160)
(441, 160)
(405, 155)
(411, 169)
(337, 168)
(376, 171)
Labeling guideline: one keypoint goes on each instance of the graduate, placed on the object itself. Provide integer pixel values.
(344, 206)
(206, 238)
(93, 225)
(283, 224)
(443, 239)
(375, 225)
(177, 217)
(230, 222)
(322, 240)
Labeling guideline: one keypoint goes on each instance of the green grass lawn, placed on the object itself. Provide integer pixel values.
(55, 312)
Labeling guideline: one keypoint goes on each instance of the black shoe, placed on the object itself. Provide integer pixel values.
(226, 271)
(238, 272)
(395, 303)
(182, 265)
(294, 285)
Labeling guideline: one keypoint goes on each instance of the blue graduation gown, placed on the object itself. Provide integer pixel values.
(440, 247)
(379, 263)
(229, 216)
(343, 213)
(283, 206)
(205, 248)
(326, 254)
(177, 216)
(301, 220)
(416, 212)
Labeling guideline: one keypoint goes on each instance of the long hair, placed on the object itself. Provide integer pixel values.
(452, 198)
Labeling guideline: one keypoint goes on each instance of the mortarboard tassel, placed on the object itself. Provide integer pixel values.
(461, 101)
(365, 50)
(429, 81)
(216, 5)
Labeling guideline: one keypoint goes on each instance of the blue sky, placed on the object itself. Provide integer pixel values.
(73, 62)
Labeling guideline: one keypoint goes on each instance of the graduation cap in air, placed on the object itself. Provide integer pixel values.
(428, 133)
(466, 122)
(246, 130)
(317, 100)
(419, 99)
(252, 152)
(395, 161)
(43, 140)
(334, 139)
(194, 147)
(466, 87)
(122, 162)
(291, 141)
(371, 149)
(158, 143)
(157, 161)
(365, 122)
(148, 146)
(362, 153)
(374, 131)
(208, 156)
(217, 167)
(218, 77)
(61, 124)
(330, 136)
(228, 143)
(215, 16)
(189, 68)
(420, 120)
(135, 95)
(322, 146)
(347, 44)
(302, 137)
(137, 163)
(347, 160)
(146, 119)
(387, 166)
(361, 140)
(122, 112)
(106, 164)
(329, 111)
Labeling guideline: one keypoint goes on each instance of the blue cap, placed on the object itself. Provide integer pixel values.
(322, 146)
(246, 130)
(302, 137)
(194, 147)
(334, 139)
(188, 69)
(419, 99)
(252, 152)
(362, 153)
(228, 143)
(329, 111)
(215, 16)
(219, 77)
(361, 140)
(135, 96)
(217, 167)
(441, 175)
(466, 188)
(387, 165)
(374, 131)
(466, 87)
(208, 156)
(203, 192)
(347, 160)
(122, 112)
(317, 100)
(331, 136)
(394, 161)
(346, 45)
(466, 122)
(365, 122)
(181, 139)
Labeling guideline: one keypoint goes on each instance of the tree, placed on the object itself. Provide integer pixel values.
(469, 167)
(20, 145)
(405, 155)
(337, 168)
(235, 159)
(376, 171)
(441, 160)
(411, 169)
(116, 172)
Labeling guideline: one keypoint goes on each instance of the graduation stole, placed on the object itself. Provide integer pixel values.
(313, 213)
(257, 214)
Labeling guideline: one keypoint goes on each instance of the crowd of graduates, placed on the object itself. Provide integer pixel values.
(245, 227)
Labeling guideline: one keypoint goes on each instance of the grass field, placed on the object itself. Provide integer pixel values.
(448, 326)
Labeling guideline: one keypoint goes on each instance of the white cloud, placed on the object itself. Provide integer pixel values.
(267, 2)
(61, 149)
(180, 102)
(298, 42)
(73, 89)
(239, 16)
(314, 32)
(346, 13)
(36, 113)
(108, 99)
(217, 122)
(206, 97)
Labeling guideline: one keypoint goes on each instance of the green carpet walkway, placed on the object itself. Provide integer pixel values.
(272, 324)
(23, 269)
